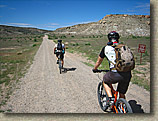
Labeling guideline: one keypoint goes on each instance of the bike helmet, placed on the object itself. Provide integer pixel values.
(59, 41)
(113, 35)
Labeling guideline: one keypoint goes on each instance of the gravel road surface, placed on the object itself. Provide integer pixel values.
(45, 90)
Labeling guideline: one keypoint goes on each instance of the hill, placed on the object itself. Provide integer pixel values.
(11, 30)
(136, 25)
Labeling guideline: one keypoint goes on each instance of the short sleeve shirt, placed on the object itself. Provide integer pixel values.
(62, 45)
(109, 52)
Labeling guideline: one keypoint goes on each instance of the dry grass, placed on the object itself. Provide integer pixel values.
(15, 59)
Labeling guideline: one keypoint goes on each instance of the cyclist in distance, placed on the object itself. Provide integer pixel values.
(59, 49)
(113, 76)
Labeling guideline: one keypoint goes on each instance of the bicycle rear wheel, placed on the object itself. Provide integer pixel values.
(102, 97)
(60, 66)
(123, 106)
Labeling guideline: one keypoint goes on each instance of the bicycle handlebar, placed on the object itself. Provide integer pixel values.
(99, 71)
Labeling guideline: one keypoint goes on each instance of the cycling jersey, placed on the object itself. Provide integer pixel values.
(63, 46)
(109, 52)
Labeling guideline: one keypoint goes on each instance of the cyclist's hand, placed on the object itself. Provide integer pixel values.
(95, 70)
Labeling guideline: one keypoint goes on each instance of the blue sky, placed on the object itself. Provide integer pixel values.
(53, 14)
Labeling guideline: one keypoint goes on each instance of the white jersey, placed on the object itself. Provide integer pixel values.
(109, 52)
(62, 45)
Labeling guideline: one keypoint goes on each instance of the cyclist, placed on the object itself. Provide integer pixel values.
(113, 76)
(59, 49)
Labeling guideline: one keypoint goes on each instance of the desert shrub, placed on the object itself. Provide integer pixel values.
(34, 45)
(87, 43)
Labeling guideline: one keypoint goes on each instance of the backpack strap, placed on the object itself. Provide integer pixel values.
(117, 47)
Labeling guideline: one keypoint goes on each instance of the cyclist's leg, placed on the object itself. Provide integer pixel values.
(111, 99)
(123, 84)
(110, 78)
(107, 89)
(121, 95)
(62, 60)
(122, 88)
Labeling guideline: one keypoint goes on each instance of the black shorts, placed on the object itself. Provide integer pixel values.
(62, 55)
(122, 78)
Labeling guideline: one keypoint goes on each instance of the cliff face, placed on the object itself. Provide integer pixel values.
(136, 25)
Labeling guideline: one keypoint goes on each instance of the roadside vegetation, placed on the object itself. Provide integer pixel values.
(16, 56)
(91, 45)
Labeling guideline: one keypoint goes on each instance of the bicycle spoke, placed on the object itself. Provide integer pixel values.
(123, 106)
(102, 97)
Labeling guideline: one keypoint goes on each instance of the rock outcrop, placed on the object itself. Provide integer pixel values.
(136, 25)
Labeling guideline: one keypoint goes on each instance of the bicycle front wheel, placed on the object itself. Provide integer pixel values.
(102, 97)
(123, 106)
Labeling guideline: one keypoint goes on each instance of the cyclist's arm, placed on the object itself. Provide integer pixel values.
(99, 61)
(54, 49)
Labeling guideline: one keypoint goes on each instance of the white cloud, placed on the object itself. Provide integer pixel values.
(75, 23)
(54, 24)
(143, 8)
(140, 8)
(48, 26)
(3, 6)
(12, 8)
(19, 24)
(51, 27)
(146, 5)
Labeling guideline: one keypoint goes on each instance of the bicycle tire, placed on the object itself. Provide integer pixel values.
(102, 95)
(123, 106)
(60, 66)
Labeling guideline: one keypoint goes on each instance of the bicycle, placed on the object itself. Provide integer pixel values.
(59, 61)
(120, 104)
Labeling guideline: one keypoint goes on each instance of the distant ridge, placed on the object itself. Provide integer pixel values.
(9, 30)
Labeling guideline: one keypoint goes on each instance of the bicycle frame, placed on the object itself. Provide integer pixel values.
(120, 104)
(115, 93)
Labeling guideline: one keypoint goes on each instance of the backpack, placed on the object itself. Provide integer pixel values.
(124, 58)
(59, 46)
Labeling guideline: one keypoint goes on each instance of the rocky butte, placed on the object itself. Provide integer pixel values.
(136, 25)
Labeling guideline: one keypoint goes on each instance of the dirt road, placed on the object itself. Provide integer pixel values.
(44, 90)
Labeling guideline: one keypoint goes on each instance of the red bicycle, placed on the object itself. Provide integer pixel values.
(120, 104)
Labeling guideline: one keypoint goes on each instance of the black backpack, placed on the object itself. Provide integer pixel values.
(59, 46)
